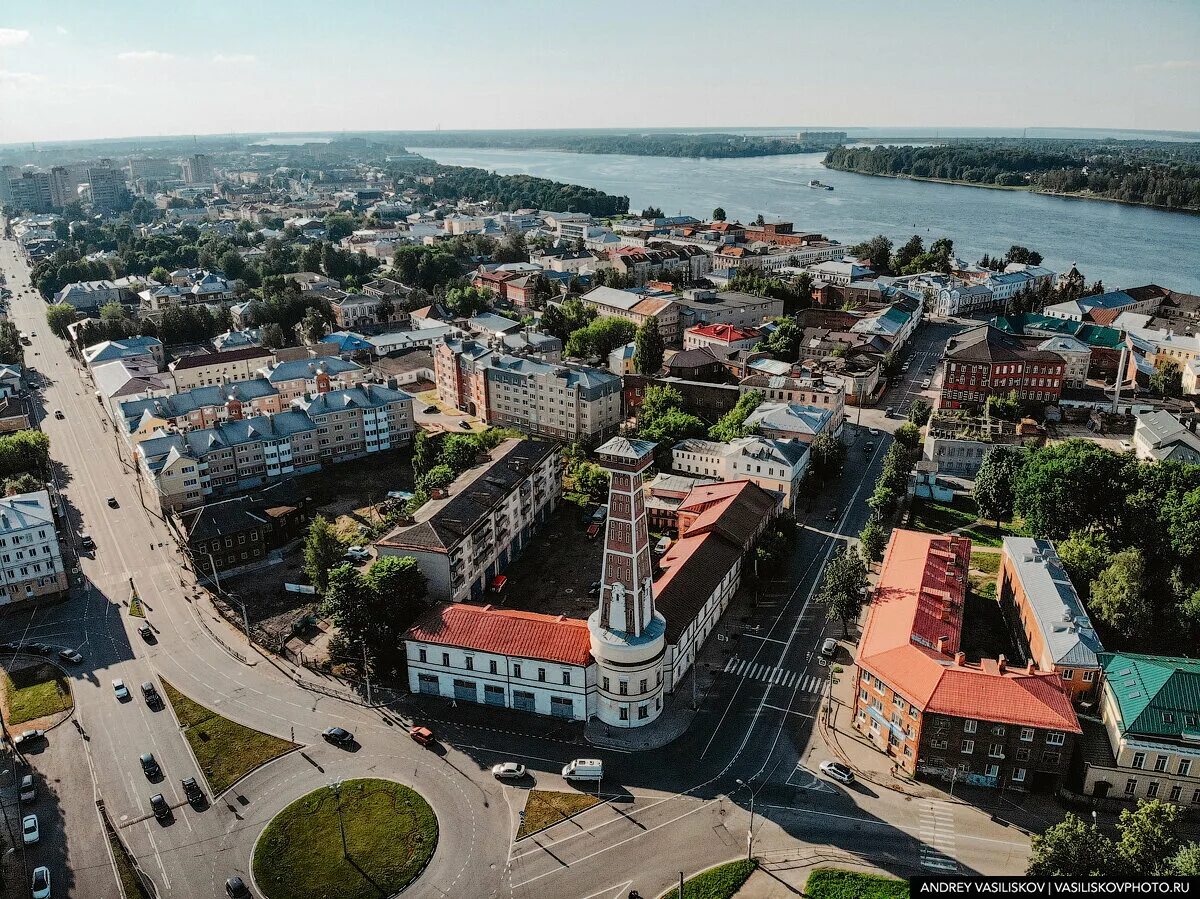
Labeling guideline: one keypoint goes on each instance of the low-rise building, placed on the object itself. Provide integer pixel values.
(205, 369)
(356, 421)
(203, 407)
(90, 295)
(988, 362)
(638, 307)
(31, 562)
(1160, 435)
(131, 348)
(664, 494)
(726, 337)
(298, 377)
(959, 445)
(791, 421)
(242, 531)
(807, 386)
(776, 466)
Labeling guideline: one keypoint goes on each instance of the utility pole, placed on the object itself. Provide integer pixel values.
(750, 829)
(367, 673)
(336, 786)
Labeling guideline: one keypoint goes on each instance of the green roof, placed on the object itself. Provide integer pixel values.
(1099, 335)
(1092, 335)
(1158, 696)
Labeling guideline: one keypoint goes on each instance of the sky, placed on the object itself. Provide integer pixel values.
(78, 70)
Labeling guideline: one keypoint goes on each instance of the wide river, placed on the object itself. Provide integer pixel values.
(1122, 245)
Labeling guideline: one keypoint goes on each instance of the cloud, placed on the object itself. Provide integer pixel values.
(145, 56)
(18, 79)
(60, 30)
(10, 37)
(1169, 65)
(234, 58)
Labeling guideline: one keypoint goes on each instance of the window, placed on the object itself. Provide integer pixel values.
(1185, 767)
(1068, 674)
(1055, 738)
(516, 670)
(969, 726)
(421, 655)
(623, 688)
(1130, 786)
(1026, 734)
(1139, 760)
(1089, 676)
(997, 730)
(1018, 775)
(938, 744)
(1050, 758)
(446, 659)
(968, 746)
(470, 663)
(542, 674)
(644, 685)
(996, 751)
(606, 686)
(624, 716)
(566, 678)
(643, 711)
(492, 666)
(1176, 792)
(1023, 754)
(1152, 790)
(1160, 763)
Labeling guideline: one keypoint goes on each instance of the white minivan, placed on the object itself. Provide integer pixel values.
(584, 769)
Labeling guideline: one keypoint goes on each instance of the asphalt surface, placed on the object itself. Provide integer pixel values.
(680, 808)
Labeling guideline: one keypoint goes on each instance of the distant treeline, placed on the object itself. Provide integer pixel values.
(1154, 174)
(711, 145)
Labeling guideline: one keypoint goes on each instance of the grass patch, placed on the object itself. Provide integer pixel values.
(391, 833)
(934, 517)
(720, 882)
(985, 562)
(131, 884)
(545, 808)
(226, 751)
(35, 692)
(835, 883)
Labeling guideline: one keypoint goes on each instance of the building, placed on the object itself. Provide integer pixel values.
(149, 349)
(918, 699)
(1077, 355)
(465, 539)
(809, 386)
(63, 188)
(1149, 744)
(959, 445)
(89, 296)
(204, 407)
(777, 466)
(206, 369)
(731, 307)
(664, 494)
(840, 272)
(988, 362)
(357, 421)
(790, 421)
(1160, 435)
(725, 337)
(31, 562)
(966, 299)
(241, 532)
(638, 307)
(28, 191)
(298, 377)
(198, 169)
(1035, 592)
(107, 187)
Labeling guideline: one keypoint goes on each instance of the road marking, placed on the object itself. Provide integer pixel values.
(766, 639)
(937, 837)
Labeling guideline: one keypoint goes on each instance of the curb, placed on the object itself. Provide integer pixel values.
(729, 861)
(67, 714)
(533, 833)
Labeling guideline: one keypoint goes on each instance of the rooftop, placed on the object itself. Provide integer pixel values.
(526, 635)
(1157, 696)
(1059, 612)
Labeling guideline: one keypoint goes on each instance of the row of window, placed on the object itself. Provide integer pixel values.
(623, 685)
(493, 666)
(16, 538)
(1152, 790)
(1161, 762)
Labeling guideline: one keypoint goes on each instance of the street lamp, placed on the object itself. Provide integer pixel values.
(336, 786)
(750, 830)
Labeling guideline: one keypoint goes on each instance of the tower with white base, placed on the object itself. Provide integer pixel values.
(628, 635)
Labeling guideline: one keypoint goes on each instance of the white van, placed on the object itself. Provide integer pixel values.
(584, 769)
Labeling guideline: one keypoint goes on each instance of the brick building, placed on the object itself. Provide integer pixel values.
(987, 362)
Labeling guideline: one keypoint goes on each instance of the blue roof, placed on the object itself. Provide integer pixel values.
(307, 369)
(349, 342)
(1114, 299)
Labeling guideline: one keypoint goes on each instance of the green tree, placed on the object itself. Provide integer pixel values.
(313, 326)
(649, 348)
(1186, 862)
(827, 455)
(718, 214)
(878, 253)
(394, 593)
(600, 337)
(919, 412)
(907, 254)
(1072, 849)
(322, 551)
(437, 477)
(843, 587)
(872, 539)
(1069, 486)
(908, 435)
(590, 479)
(732, 424)
(465, 302)
(1149, 837)
(112, 312)
(890, 365)
(1084, 554)
(1007, 406)
(59, 317)
(1118, 595)
(995, 484)
(784, 341)
(562, 319)
(425, 452)
(272, 336)
(22, 483)
(1167, 379)
(24, 451)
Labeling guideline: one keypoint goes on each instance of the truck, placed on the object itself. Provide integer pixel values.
(583, 769)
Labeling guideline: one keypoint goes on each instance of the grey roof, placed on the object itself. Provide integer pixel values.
(1063, 621)
(181, 404)
(790, 417)
(110, 350)
(307, 369)
(368, 396)
(25, 510)
(489, 321)
(626, 448)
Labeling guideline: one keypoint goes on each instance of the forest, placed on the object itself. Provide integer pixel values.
(1166, 175)
(700, 146)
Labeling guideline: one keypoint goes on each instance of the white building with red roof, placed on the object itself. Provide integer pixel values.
(729, 337)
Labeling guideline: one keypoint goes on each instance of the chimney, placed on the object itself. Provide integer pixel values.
(1001, 663)
(1031, 668)
(960, 659)
(942, 642)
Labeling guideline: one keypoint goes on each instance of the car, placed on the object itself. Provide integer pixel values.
(192, 790)
(150, 693)
(422, 735)
(10, 647)
(160, 807)
(40, 885)
(146, 632)
(926, 384)
(70, 655)
(338, 736)
(120, 690)
(465, 425)
(150, 766)
(889, 411)
(868, 448)
(357, 554)
(837, 771)
(508, 771)
(594, 589)
(29, 827)
(28, 738)
(874, 432)
(42, 649)
(236, 888)
(28, 788)
(831, 515)
(829, 648)
(58, 413)
(86, 542)
(112, 502)
(430, 410)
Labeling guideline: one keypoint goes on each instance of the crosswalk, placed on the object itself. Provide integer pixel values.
(775, 675)
(937, 838)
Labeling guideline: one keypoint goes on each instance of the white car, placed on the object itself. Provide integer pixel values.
(40, 887)
(508, 771)
(358, 554)
(926, 384)
(120, 690)
(837, 771)
(29, 825)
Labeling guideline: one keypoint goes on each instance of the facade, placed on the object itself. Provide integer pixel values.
(31, 562)
(964, 299)
(491, 512)
(777, 466)
(299, 377)
(987, 362)
(1034, 590)
(731, 307)
(204, 407)
(131, 348)
(958, 446)
(920, 702)
(108, 189)
(1077, 355)
(241, 532)
(808, 387)
(89, 295)
(1151, 719)
(638, 307)
(357, 421)
(206, 369)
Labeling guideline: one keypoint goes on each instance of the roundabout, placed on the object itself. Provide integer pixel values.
(357, 839)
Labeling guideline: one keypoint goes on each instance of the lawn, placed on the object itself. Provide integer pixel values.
(35, 692)
(545, 808)
(131, 884)
(226, 751)
(720, 882)
(934, 517)
(391, 833)
(988, 563)
(835, 883)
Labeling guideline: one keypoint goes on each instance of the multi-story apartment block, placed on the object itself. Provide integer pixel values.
(918, 699)
(297, 377)
(198, 169)
(63, 189)
(464, 540)
(987, 362)
(107, 187)
(28, 191)
(359, 420)
(31, 563)
(1151, 717)
(205, 407)
(777, 466)
(638, 307)
(1034, 590)
(206, 369)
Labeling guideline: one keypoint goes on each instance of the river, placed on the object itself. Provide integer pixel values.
(1122, 245)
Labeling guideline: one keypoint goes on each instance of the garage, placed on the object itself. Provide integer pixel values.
(428, 684)
(465, 690)
(493, 695)
(562, 707)
(524, 700)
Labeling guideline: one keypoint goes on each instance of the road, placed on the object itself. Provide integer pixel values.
(678, 808)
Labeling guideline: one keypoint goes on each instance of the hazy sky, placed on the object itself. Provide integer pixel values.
(82, 69)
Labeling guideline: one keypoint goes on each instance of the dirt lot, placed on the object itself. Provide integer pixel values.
(554, 571)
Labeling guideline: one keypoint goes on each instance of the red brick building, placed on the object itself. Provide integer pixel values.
(986, 362)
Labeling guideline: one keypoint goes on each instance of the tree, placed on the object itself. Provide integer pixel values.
(112, 312)
(322, 551)
(1005, 406)
(877, 251)
(590, 479)
(827, 455)
(914, 248)
(919, 412)
(908, 435)
(1071, 849)
(784, 342)
(59, 316)
(995, 484)
(562, 319)
(1149, 837)
(465, 302)
(732, 424)
(22, 483)
(272, 336)
(844, 587)
(652, 212)
(1084, 554)
(1068, 486)
(718, 214)
(649, 348)
(313, 326)
(661, 419)
(425, 450)
(1167, 379)
(890, 365)
(1022, 255)
(1118, 595)
(1186, 862)
(760, 220)
(600, 338)
(872, 539)
(512, 248)
(160, 274)
(24, 451)
(437, 477)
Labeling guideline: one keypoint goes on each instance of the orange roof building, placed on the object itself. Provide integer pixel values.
(918, 699)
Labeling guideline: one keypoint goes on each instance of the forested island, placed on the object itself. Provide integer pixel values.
(701, 146)
(1149, 173)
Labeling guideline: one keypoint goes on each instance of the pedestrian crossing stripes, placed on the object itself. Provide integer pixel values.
(937, 838)
(775, 675)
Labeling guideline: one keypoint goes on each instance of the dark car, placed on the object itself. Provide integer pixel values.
(146, 632)
(339, 736)
(150, 766)
(151, 694)
(42, 649)
(431, 410)
(112, 502)
(87, 543)
(160, 807)
(28, 738)
(465, 425)
(192, 790)
(58, 414)
(236, 888)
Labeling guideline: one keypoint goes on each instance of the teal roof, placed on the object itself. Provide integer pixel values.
(1158, 696)
(1027, 322)
(1099, 335)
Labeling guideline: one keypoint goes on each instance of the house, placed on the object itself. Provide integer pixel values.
(463, 540)
(777, 466)
(664, 493)
(204, 407)
(131, 348)
(638, 307)
(840, 272)
(920, 702)
(240, 532)
(958, 444)
(703, 363)
(90, 295)
(724, 336)
(698, 306)
(356, 421)
(12, 380)
(790, 421)
(1160, 435)
(128, 379)
(988, 362)
(31, 566)
(1077, 355)
(13, 415)
(1148, 745)
(807, 385)
(233, 340)
(1035, 592)
(204, 369)
(966, 299)
(297, 377)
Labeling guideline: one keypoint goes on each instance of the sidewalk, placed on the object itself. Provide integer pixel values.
(783, 873)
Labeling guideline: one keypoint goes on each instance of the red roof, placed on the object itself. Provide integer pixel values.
(919, 600)
(527, 635)
(726, 333)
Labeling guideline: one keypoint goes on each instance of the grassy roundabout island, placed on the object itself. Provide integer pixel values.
(391, 833)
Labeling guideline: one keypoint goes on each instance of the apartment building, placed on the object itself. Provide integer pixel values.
(31, 562)
(107, 188)
(204, 407)
(206, 369)
(465, 539)
(986, 362)
(356, 421)
(297, 377)
(1039, 599)
(638, 307)
(807, 386)
(777, 466)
